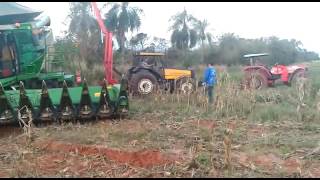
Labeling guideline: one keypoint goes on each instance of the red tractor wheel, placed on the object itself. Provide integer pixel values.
(256, 80)
(296, 76)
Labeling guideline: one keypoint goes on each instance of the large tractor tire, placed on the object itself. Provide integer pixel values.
(256, 80)
(143, 83)
(297, 76)
(186, 86)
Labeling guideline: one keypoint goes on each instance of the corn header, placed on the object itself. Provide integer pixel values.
(27, 85)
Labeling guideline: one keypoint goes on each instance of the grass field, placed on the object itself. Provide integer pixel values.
(275, 133)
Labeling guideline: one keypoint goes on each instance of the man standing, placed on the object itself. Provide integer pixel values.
(209, 80)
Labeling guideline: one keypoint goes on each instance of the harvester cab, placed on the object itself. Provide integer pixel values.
(27, 84)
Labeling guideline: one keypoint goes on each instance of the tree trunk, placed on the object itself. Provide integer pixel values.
(122, 48)
(202, 53)
(122, 41)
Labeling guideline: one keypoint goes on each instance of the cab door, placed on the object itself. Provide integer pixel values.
(7, 57)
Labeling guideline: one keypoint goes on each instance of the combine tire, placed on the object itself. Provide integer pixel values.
(143, 83)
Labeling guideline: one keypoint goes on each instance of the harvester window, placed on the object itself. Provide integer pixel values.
(1, 45)
(6, 63)
(25, 41)
(6, 58)
(37, 35)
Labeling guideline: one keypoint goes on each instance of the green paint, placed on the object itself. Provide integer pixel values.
(29, 55)
(28, 65)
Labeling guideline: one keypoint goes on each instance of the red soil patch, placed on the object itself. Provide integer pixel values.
(257, 130)
(264, 161)
(269, 162)
(232, 125)
(208, 124)
(314, 171)
(53, 164)
(291, 166)
(243, 159)
(4, 174)
(49, 163)
(144, 158)
(128, 126)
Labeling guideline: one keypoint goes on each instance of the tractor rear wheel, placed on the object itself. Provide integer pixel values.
(256, 80)
(297, 76)
(143, 83)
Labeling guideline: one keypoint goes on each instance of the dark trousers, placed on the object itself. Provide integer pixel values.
(210, 93)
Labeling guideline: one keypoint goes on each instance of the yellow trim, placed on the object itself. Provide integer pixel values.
(171, 74)
(96, 94)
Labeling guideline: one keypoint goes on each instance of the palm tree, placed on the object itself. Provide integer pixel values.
(183, 35)
(84, 29)
(120, 19)
(201, 27)
(209, 37)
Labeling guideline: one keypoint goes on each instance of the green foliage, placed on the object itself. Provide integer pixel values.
(67, 52)
(230, 50)
(82, 42)
(85, 32)
(201, 27)
(139, 41)
(273, 113)
(160, 44)
(84, 49)
(122, 18)
(184, 35)
(203, 159)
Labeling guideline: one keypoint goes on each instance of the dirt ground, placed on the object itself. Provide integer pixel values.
(150, 148)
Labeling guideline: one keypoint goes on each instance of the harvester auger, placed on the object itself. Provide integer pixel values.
(28, 87)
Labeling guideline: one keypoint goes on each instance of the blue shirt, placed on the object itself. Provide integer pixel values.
(209, 76)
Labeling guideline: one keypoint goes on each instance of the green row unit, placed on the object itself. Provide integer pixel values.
(55, 95)
(33, 80)
(47, 104)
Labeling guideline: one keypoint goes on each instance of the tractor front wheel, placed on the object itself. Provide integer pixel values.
(186, 86)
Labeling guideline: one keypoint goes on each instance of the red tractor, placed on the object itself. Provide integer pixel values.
(258, 75)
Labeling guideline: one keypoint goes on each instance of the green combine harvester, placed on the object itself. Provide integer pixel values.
(27, 86)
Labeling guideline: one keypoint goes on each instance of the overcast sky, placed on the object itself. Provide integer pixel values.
(298, 20)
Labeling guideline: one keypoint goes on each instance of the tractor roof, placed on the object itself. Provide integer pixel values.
(11, 13)
(255, 55)
(149, 54)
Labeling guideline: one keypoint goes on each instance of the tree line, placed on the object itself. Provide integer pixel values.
(190, 44)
